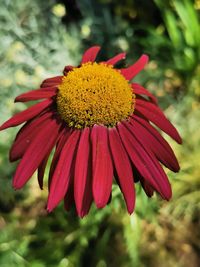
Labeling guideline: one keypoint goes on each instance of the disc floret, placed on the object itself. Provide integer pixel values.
(94, 94)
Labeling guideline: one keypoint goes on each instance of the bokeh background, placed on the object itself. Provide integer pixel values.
(38, 38)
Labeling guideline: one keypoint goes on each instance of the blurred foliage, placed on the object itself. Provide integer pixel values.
(38, 38)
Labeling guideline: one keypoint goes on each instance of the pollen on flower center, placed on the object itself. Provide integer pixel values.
(94, 94)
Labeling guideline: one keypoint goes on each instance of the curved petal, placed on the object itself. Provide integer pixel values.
(67, 69)
(123, 168)
(51, 82)
(154, 114)
(36, 94)
(139, 90)
(36, 152)
(41, 170)
(145, 163)
(90, 54)
(88, 197)
(158, 146)
(116, 59)
(147, 188)
(101, 166)
(27, 114)
(83, 177)
(59, 146)
(157, 170)
(62, 174)
(69, 197)
(130, 72)
(137, 161)
(42, 167)
(26, 134)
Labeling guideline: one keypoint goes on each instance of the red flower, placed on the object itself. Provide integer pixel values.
(101, 127)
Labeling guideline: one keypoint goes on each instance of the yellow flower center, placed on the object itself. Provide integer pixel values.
(94, 94)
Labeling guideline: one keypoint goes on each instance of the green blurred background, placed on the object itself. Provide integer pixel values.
(38, 38)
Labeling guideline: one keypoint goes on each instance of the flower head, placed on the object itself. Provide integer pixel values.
(101, 127)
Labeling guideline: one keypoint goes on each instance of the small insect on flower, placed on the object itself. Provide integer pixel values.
(101, 127)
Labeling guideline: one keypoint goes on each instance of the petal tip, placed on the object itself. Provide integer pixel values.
(49, 208)
(2, 127)
(179, 140)
(130, 72)
(90, 54)
(131, 208)
(176, 168)
(130, 212)
(16, 185)
(82, 214)
(100, 204)
(145, 57)
(168, 195)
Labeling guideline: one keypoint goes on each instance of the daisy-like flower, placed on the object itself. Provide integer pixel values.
(101, 127)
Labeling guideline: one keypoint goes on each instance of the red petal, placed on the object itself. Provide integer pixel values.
(123, 168)
(51, 82)
(130, 72)
(41, 170)
(134, 156)
(101, 165)
(26, 114)
(139, 90)
(90, 54)
(147, 188)
(36, 152)
(82, 178)
(62, 174)
(162, 178)
(116, 59)
(67, 69)
(154, 114)
(69, 197)
(88, 197)
(145, 163)
(26, 134)
(36, 94)
(60, 144)
(158, 146)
